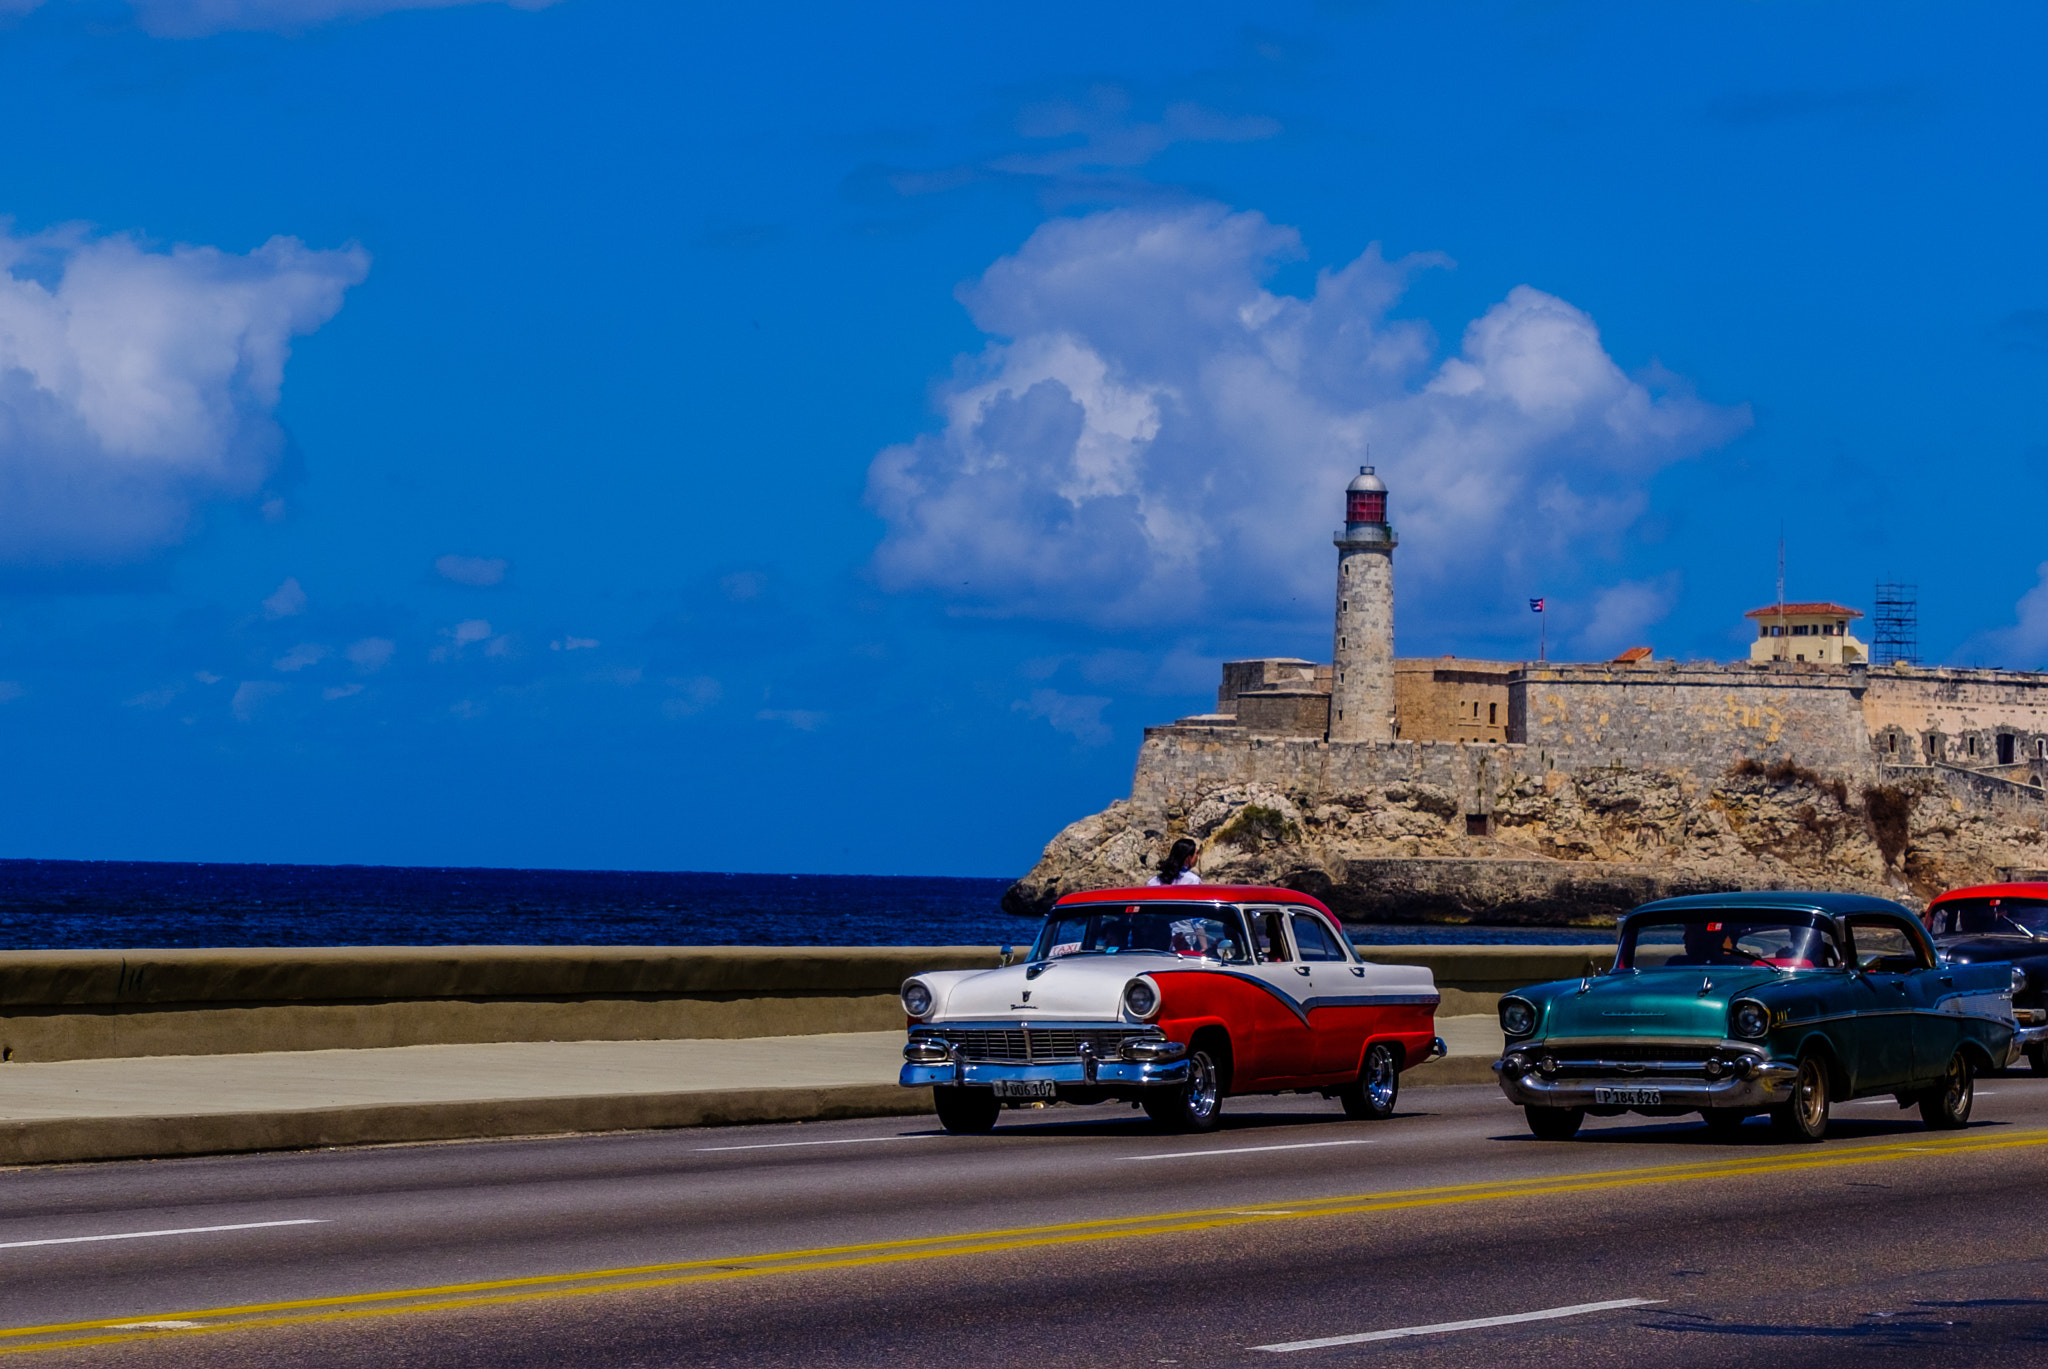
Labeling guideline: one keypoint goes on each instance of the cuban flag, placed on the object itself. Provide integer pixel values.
(1535, 606)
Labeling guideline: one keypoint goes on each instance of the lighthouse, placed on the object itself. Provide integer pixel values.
(1362, 684)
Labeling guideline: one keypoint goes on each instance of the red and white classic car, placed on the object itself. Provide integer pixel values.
(1174, 998)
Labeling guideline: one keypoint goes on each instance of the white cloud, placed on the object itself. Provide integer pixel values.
(2024, 645)
(697, 694)
(286, 601)
(137, 384)
(1151, 436)
(154, 698)
(1077, 715)
(573, 644)
(251, 695)
(479, 571)
(467, 633)
(1623, 615)
(342, 691)
(195, 18)
(370, 654)
(802, 719)
(300, 656)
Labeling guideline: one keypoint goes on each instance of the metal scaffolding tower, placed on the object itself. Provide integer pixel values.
(1895, 624)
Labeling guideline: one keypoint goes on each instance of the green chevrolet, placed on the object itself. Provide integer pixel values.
(1730, 1005)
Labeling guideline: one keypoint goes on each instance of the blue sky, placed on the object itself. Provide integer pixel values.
(622, 434)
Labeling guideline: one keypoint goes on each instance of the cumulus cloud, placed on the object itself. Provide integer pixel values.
(2024, 645)
(370, 654)
(1077, 715)
(573, 644)
(1151, 435)
(137, 384)
(802, 719)
(342, 691)
(286, 601)
(300, 656)
(479, 571)
(1623, 614)
(251, 695)
(194, 18)
(695, 694)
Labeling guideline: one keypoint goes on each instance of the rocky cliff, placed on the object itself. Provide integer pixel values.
(1481, 840)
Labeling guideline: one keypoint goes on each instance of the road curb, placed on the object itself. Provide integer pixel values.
(61, 1140)
(67, 1139)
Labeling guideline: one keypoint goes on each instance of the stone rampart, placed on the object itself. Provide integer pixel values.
(1691, 719)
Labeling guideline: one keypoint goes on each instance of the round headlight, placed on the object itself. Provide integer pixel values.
(917, 999)
(1517, 1016)
(1141, 998)
(2019, 979)
(1750, 1019)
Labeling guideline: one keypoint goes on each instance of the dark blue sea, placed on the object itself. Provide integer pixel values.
(78, 904)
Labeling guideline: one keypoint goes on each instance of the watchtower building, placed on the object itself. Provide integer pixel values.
(1362, 683)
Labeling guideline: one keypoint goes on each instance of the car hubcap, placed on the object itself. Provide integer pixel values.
(1201, 1087)
(1379, 1078)
(1958, 1086)
(1813, 1096)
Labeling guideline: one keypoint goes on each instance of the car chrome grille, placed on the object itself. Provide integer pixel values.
(1033, 1045)
(1647, 1059)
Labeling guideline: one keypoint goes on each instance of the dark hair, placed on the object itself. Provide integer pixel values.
(1177, 859)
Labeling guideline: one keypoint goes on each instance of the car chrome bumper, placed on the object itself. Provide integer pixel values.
(2024, 1039)
(1112, 1074)
(1771, 1086)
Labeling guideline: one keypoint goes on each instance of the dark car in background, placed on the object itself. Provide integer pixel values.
(2008, 922)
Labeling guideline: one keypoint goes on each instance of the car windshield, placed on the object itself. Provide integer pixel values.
(1990, 916)
(1731, 937)
(1122, 928)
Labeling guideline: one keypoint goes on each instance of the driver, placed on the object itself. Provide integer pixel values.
(1711, 943)
(1195, 936)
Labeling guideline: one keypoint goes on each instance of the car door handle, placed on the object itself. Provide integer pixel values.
(1301, 969)
(1358, 971)
(1948, 979)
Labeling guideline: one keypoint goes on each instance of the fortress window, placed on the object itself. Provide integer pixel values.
(1491, 711)
(2005, 748)
(1891, 743)
(2040, 747)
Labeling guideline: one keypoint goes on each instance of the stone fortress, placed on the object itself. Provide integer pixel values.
(1470, 790)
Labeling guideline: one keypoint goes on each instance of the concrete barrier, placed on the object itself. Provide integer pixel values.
(88, 1005)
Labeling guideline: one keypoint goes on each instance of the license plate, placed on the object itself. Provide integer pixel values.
(1629, 1098)
(1026, 1088)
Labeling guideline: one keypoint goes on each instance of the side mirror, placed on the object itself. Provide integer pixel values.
(1226, 950)
(1009, 954)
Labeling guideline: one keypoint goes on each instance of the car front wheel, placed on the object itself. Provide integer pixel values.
(1371, 1096)
(1196, 1105)
(1946, 1106)
(1554, 1124)
(1804, 1116)
(965, 1111)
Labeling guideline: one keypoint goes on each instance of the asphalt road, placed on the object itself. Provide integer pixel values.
(1071, 1236)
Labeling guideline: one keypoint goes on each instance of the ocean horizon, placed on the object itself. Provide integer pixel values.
(77, 905)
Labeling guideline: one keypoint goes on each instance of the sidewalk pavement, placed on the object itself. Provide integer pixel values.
(161, 1106)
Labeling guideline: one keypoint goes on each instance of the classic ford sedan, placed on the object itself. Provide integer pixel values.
(1174, 999)
(1781, 1003)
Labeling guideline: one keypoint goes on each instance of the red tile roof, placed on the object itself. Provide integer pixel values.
(1805, 610)
(1632, 655)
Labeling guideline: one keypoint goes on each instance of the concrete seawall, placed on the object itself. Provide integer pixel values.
(89, 1005)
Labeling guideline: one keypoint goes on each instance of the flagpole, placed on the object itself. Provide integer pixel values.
(1543, 634)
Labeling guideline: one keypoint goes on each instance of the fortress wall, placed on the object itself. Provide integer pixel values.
(1179, 766)
(1917, 716)
(1698, 719)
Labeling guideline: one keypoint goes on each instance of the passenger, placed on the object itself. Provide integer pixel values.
(1179, 865)
(1709, 943)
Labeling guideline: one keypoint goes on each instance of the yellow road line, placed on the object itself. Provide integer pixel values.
(549, 1287)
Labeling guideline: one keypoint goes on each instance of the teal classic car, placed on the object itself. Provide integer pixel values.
(1730, 1005)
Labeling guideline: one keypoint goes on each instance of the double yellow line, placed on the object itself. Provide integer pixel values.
(399, 1302)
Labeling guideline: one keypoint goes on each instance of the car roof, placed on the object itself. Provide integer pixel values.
(1801, 900)
(1195, 893)
(2019, 890)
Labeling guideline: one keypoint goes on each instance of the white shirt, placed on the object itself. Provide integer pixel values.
(1184, 877)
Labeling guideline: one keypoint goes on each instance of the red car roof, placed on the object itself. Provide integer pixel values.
(1993, 891)
(1197, 893)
